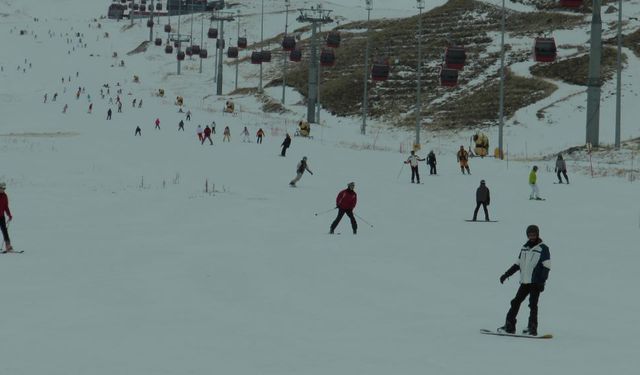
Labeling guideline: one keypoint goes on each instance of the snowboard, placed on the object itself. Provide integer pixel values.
(538, 199)
(496, 333)
(481, 221)
(12, 252)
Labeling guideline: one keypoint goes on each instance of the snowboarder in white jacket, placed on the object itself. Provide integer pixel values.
(534, 263)
(302, 166)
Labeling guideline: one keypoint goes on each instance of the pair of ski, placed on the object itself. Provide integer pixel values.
(502, 333)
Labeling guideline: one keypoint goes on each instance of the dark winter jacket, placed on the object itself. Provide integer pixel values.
(207, 131)
(534, 263)
(431, 159)
(287, 142)
(561, 165)
(347, 199)
(4, 205)
(482, 194)
(302, 166)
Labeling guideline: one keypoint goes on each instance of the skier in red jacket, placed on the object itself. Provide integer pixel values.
(4, 207)
(345, 203)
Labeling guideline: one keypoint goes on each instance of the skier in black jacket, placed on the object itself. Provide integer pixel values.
(431, 162)
(285, 145)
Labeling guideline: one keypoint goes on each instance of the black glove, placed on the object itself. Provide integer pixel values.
(513, 269)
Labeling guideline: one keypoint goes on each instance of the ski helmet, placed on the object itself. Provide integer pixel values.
(3, 185)
(482, 182)
(304, 158)
(351, 184)
(533, 229)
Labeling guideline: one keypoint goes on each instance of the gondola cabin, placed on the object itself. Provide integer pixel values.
(266, 56)
(203, 53)
(242, 42)
(572, 4)
(195, 49)
(149, 23)
(116, 11)
(448, 77)
(327, 57)
(288, 43)
(295, 55)
(544, 50)
(158, 41)
(167, 28)
(212, 33)
(188, 51)
(256, 57)
(333, 39)
(180, 55)
(168, 49)
(455, 57)
(380, 71)
(232, 52)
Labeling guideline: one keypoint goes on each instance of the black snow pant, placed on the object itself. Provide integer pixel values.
(284, 151)
(3, 227)
(565, 176)
(415, 174)
(138, 132)
(432, 169)
(533, 291)
(259, 140)
(341, 213)
(486, 212)
(205, 138)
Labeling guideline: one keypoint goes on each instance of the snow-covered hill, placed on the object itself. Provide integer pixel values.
(130, 267)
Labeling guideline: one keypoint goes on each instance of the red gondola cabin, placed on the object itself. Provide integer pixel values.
(448, 77)
(544, 50)
(455, 57)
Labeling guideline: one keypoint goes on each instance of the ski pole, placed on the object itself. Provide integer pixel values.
(399, 173)
(324, 212)
(366, 222)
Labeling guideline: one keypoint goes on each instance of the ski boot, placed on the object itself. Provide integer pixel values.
(530, 331)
